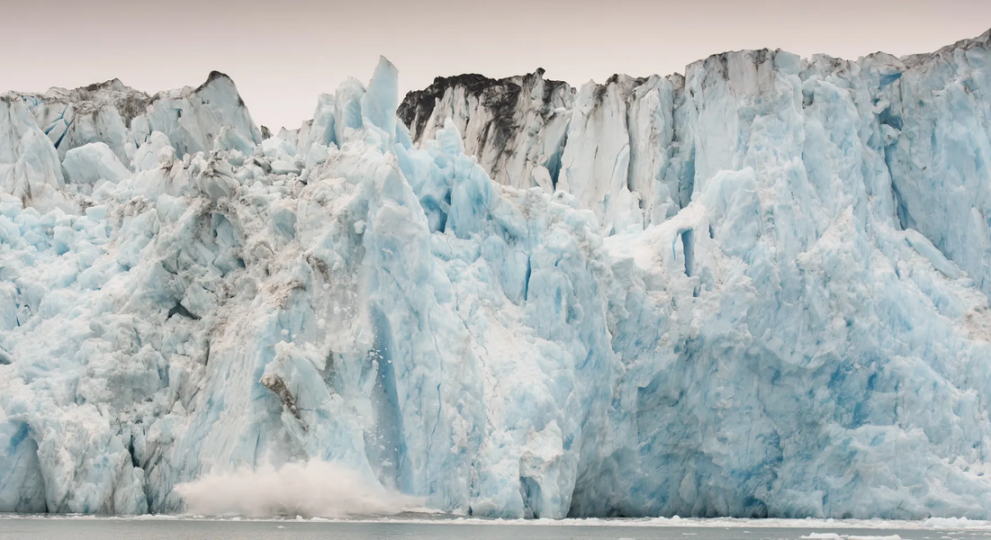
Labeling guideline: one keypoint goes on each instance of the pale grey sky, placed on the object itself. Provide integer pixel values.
(283, 53)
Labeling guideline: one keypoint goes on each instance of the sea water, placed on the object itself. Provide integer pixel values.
(62, 528)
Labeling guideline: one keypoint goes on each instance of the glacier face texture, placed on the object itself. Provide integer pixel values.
(760, 289)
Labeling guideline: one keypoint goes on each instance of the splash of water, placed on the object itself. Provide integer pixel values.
(311, 489)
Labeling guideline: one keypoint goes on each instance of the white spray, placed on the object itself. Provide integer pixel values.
(312, 489)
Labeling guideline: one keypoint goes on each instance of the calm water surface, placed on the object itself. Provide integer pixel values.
(180, 529)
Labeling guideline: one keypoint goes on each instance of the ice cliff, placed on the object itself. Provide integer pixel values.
(760, 289)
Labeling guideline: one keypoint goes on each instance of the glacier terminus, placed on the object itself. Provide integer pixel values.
(758, 289)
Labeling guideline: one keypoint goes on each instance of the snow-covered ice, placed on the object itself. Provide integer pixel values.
(756, 290)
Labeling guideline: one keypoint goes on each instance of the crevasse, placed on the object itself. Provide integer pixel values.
(758, 290)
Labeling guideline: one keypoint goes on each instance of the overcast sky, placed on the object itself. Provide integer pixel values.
(283, 53)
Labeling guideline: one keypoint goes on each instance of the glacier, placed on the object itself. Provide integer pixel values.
(756, 290)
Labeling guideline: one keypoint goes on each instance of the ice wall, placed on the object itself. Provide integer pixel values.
(635, 149)
(746, 292)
